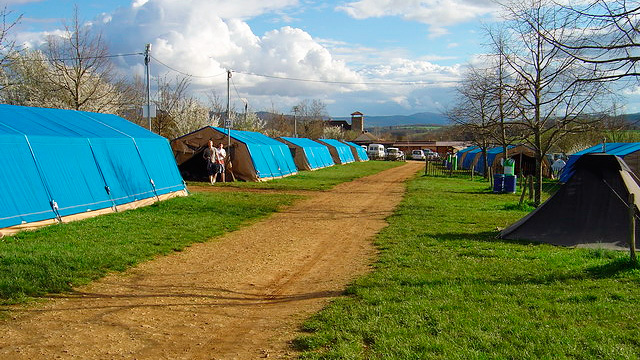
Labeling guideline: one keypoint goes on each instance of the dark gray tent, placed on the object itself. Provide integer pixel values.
(589, 210)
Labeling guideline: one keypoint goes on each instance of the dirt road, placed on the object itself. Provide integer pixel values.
(242, 296)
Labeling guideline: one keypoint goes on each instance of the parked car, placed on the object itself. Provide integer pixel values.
(376, 151)
(394, 154)
(431, 155)
(417, 155)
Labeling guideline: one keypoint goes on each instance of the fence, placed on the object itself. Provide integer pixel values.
(440, 168)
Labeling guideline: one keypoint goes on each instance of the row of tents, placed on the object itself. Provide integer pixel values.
(524, 156)
(257, 157)
(61, 165)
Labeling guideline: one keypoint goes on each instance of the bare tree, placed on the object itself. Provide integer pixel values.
(178, 113)
(605, 34)
(477, 109)
(553, 100)
(80, 71)
(310, 116)
(8, 48)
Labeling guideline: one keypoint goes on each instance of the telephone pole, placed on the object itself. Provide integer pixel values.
(147, 57)
(228, 122)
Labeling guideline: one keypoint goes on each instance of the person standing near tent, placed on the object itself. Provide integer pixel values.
(557, 167)
(208, 155)
(219, 155)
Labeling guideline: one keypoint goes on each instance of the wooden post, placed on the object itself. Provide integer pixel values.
(530, 187)
(426, 167)
(523, 185)
(472, 171)
(490, 177)
(632, 228)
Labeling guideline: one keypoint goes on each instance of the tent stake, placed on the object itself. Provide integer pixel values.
(632, 228)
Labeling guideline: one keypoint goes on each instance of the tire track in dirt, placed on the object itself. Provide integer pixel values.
(242, 296)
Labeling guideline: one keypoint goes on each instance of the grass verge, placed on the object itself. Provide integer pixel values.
(321, 179)
(56, 258)
(445, 288)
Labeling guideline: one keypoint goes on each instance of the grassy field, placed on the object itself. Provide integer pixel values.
(56, 258)
(445, 287)
(322, 179)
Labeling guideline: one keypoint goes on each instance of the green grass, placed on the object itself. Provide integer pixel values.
(445, 287)
(321, 179)
(55, 258)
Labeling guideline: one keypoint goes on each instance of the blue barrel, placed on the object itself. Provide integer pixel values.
(510, 184)
(498, 183)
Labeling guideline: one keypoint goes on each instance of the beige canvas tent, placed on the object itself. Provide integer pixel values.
(525, 161)
(253, 156)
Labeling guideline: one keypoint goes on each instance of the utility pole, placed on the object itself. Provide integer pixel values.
(295, 121)
(147, 57)
(228, 122)
(246, 109)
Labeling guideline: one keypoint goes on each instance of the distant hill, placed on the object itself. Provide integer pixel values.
(423, 118)
(633, 119)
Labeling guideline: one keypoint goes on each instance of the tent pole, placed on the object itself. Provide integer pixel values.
(632, 228)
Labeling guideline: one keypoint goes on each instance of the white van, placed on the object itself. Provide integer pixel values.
(375, 151)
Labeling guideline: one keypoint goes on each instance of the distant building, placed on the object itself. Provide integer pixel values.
(357, 123)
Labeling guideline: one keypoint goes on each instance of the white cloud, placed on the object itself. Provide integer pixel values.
(435, 13)
(205, 37)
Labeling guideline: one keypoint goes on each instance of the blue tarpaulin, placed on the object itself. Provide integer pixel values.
(315, 155)
(270, 157)
(470, 157)
(619, 149)
(360, 151)
(340, 152)
(491, 155)
(63, 162)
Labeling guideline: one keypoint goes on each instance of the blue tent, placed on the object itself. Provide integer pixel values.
(627, 151)
(341, 153)
(254, 156)
(308, 154)
(58, 163)
(462, 153)
(360, 153)
(491, 156)
(470, 157)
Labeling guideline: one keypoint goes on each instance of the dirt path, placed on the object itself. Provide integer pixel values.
(242, 296)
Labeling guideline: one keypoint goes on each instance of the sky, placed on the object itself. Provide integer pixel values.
(379, 57)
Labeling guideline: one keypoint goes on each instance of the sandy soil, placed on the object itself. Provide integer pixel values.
(241, 296)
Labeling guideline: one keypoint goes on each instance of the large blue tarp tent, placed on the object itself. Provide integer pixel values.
(57, 163)
(470, 158)
(462, 153)
(254, 156)
(359, 153)
(629, 152)
(491, 156)
(341, 153)
(308, 154)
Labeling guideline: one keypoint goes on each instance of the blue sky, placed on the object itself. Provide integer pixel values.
(380, 57)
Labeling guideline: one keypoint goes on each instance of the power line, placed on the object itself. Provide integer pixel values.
(83, 57)
(184, 73)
